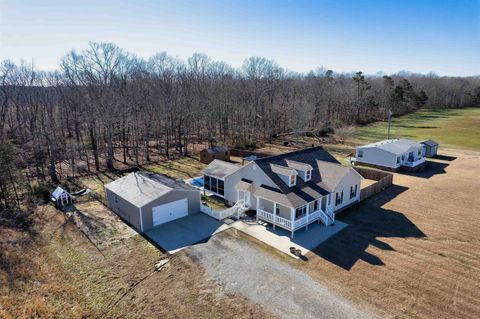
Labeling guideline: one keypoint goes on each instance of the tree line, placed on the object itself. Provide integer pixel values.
(105, 105)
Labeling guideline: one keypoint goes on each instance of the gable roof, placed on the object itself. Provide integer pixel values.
(282, 170)
(332, 174)
(217, 149)
(58, 192)
(303, 192)
(299, 166)
(140, 189)
(430, 143)
(220, 169)
(395, 146)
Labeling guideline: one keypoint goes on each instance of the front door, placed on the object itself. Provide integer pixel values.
(324, 203)
(247, 198)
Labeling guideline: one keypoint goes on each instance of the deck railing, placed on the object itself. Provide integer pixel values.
(297, 223)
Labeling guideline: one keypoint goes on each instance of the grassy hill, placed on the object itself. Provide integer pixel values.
(455, 128)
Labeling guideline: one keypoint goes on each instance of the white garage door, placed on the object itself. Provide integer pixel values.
(170, 211)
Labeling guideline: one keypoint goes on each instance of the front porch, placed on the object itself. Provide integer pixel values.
(292, 219)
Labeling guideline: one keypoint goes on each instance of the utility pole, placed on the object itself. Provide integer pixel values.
(389, 120)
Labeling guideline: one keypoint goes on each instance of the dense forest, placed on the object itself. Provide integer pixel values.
(105, 106)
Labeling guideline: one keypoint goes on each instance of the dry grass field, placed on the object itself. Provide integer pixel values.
(412, 251)
(55, 271)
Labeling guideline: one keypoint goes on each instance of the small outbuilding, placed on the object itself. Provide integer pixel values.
(430, 148)
(61, 197)
(209, 154)
(148, 200)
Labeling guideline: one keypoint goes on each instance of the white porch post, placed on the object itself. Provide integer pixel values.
(308, 212)
(238, 195)
(274, 213)
(292, 221)
(258, 207)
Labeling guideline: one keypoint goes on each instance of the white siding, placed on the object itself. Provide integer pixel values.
(351, 179)
(248, 172)
(377, 156)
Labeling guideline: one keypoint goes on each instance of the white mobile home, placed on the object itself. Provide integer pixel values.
(392, 155)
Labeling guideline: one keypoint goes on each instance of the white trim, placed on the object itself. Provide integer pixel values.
(141, 219)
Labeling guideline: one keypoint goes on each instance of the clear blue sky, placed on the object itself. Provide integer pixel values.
(419, 36)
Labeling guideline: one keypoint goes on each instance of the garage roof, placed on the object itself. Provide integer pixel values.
(140, 189)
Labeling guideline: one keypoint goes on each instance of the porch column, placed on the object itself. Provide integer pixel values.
(308, 212)
(258, 207)
(238, 195)
(274, 213)
(292, 221)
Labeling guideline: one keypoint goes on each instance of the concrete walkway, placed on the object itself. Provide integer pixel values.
(305, 240)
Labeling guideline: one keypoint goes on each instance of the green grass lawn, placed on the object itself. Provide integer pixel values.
(456, 128)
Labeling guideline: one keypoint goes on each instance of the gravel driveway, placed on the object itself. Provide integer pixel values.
(281, 289)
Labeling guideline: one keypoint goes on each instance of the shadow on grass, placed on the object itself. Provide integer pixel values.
(367, 221)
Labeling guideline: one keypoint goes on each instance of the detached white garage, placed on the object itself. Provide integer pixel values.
(149, 200)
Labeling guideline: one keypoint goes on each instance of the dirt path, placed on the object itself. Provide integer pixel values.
(285, 291)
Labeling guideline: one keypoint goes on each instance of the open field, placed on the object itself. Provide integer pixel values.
(411, 251)
(455, 128)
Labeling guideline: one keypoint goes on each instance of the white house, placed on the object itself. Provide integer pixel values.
(392, 155)
(290, 190)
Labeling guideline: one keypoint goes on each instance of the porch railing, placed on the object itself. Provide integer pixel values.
(297, 223)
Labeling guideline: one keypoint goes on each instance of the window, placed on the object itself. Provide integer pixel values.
(419, 152)
(221, 187)
(206, 182)
(213, 186)
(315, 205)
(338, 198)
(353, 191)
(360, 153)
(226, 153)
(398, 160)
(116, 199)
(277, 210)
(299, 212)
(308, 175)
(292, 180)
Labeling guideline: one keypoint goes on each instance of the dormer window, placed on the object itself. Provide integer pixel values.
(308, 176)
(293, 180)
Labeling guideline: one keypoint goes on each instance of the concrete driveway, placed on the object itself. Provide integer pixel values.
(189, 230)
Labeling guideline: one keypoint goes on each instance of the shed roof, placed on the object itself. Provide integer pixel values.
(140, 189)
(396, 146)
(219, 169)
(430, 143)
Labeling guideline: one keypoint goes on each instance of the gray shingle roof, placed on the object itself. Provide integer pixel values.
(302, 192)
(282, 170)
(220, 169)
(396, 146)
(138, 188)
(217, 149)
(430, 143)
(299, 166)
